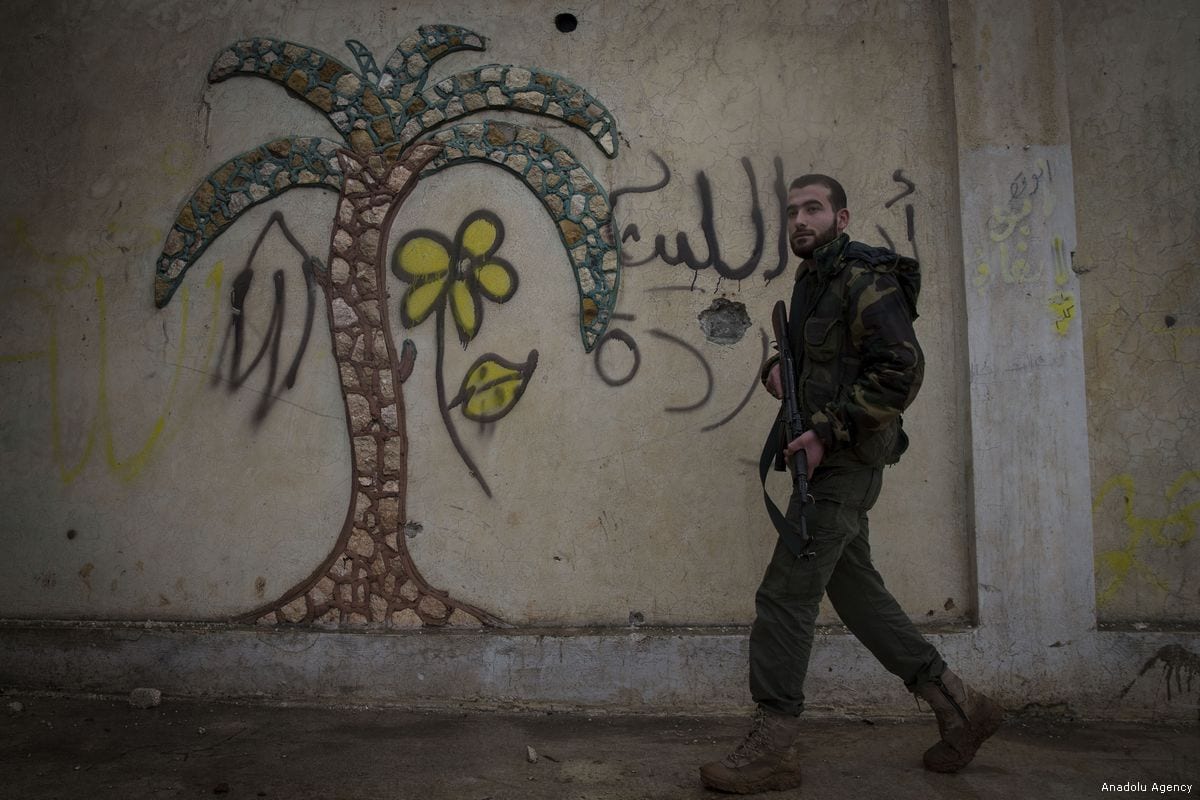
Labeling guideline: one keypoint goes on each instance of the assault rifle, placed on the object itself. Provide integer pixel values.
(789, 426)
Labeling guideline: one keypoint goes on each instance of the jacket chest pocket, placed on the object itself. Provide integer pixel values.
(823, 337)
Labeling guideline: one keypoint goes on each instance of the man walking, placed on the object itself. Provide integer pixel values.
(859, 366)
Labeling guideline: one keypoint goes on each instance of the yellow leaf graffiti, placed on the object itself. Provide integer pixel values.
(76, 272)
(1114, 568)
(492, 386)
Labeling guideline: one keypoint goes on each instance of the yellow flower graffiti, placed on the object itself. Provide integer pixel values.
(464, 272)
(460, 274)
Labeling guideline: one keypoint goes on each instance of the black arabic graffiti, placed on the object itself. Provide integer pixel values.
(686, 254)
(622, 336)
(269, 349)
(766, 350)
(618, 335)
(1020, 184)
(658, 333)
(909, 214)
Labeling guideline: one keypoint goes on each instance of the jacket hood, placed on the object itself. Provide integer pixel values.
(830, 257)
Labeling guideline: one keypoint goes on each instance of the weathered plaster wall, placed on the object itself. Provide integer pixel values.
(1135, 110)
(142, 486)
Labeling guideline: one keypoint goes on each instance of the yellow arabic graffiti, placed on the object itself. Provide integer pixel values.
(1114, 568)
(1062, 272)
(76, 272)
(1006, 254)
(1061, 303)
(1062, 308)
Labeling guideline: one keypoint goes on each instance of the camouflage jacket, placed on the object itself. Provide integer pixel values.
(858, 361)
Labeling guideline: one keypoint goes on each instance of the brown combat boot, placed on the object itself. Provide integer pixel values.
(965, 719)
(764, 760)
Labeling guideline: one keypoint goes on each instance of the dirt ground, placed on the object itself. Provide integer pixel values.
(94, 749)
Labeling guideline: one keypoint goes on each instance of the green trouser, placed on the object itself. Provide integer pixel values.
(788, 599)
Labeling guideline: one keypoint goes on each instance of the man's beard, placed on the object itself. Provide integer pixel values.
(822, 238)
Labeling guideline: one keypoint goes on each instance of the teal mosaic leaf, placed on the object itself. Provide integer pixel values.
(241, 183)
(511, 88)
(406, 70)
(354, 106)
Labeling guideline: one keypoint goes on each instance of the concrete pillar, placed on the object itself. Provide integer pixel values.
(1033, 527)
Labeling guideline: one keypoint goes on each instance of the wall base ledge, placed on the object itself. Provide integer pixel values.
(693, 670)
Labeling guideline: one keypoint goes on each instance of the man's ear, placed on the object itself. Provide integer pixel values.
(843, 219)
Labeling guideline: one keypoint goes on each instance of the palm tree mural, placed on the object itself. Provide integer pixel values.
(395, 131)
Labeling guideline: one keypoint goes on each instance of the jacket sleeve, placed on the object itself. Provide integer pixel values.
(890, 364)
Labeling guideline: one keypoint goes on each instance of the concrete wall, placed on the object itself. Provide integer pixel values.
(597, 510)
(195, 498)
(1134, 111)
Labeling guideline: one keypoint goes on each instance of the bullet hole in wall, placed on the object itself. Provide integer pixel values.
(1170, 321)
(566, 22)
(71, 534)
(724, 322)
(411, 529)
(636, 618)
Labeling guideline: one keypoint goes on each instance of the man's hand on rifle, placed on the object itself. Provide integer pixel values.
(774, 383)
(811, 444)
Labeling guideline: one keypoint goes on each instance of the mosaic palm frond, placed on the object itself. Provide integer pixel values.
(247, 180)
(385, 111)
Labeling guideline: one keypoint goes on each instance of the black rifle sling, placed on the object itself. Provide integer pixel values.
(789, 531)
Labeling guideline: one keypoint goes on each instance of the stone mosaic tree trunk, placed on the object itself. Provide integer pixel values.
(370, 577)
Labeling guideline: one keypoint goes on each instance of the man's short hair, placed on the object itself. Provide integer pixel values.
(837, 195)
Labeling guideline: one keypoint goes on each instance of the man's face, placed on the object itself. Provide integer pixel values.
(811, 219)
